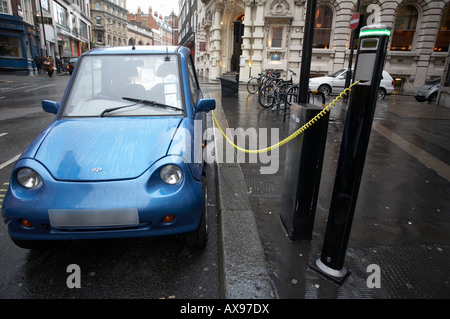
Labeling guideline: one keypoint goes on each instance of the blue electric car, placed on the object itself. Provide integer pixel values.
(123, 157)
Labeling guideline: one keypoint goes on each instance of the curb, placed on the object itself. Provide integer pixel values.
(244, 272)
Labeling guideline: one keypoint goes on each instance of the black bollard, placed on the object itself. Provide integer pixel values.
(358, 125)
(302, 173)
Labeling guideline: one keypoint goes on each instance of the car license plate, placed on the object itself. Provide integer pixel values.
(93, 218)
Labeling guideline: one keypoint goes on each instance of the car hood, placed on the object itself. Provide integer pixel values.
(427, 87)
(105, 148)
(320, 79)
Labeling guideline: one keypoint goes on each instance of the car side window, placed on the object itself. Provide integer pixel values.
(193, 81)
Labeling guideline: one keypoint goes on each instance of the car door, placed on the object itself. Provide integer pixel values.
(339, 82)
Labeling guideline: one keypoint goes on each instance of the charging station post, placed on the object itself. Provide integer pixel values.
(371, 56)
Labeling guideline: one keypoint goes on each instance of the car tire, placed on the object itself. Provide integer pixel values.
(381, 94)
(199, 237)
(325, 89)
(432, 98)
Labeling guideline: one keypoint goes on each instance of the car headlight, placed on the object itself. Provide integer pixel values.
(28, 178)
(171, 174)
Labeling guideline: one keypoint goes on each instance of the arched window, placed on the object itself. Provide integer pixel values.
(322, 27)
(443, 36)
(404, 29)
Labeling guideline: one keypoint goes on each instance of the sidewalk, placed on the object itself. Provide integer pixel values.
(401, 221)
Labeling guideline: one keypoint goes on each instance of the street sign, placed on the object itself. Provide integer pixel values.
(354, 21)
(44, 20)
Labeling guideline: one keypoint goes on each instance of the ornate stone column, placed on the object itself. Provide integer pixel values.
(244, 72)
(258, 37)
(216, 41)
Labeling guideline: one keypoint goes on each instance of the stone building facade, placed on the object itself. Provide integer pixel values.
(161, 27)
(109, 22)
(273, 37)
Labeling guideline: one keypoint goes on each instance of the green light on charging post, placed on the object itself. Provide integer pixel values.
(375, 32)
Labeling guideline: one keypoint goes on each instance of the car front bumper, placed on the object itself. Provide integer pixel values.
(107, 209)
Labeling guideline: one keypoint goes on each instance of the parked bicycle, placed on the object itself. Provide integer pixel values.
(256, 82)
(268, 94)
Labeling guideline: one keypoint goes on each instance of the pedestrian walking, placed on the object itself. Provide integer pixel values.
(38, 62)
(58, 64)
(49, 65)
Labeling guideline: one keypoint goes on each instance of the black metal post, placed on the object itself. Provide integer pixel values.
(355, 32)
(43, 29)
(305, 67)
(354, 145)
(304, 156)
(303, 168)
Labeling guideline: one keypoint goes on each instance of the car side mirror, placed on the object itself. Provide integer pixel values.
(205, 105)
(50, 106)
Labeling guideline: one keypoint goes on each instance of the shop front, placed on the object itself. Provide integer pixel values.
(19, 43)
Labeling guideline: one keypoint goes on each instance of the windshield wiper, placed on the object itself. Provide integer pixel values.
(112, 109)
(138, 101)
(152, 103)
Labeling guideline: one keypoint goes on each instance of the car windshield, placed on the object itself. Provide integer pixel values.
(434, 82)
(103, 81)
(337, 73)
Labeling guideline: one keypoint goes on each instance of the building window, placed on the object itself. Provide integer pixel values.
(322, 27)
(4, 6)
(404, 29)
(45, 5)
(99, 37)
(99, 20)
(83, 29)
(97, 5)
(60, 14)
(276, 38)
(443, 36)
(10, 46)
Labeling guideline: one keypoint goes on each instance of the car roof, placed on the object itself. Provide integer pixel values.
(143, 49)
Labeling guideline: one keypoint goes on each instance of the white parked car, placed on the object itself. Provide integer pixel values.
(335, 84)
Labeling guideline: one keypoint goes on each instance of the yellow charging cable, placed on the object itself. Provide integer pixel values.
(293, 135)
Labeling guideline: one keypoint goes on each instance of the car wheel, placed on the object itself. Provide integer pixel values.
(432, 98)
(381, 94)
(325, 89)
(199, 237)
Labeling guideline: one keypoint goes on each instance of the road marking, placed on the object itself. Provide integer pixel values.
(15, 88)
(422, 156)
(9, 162)
(40, 87)
(3, 134)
